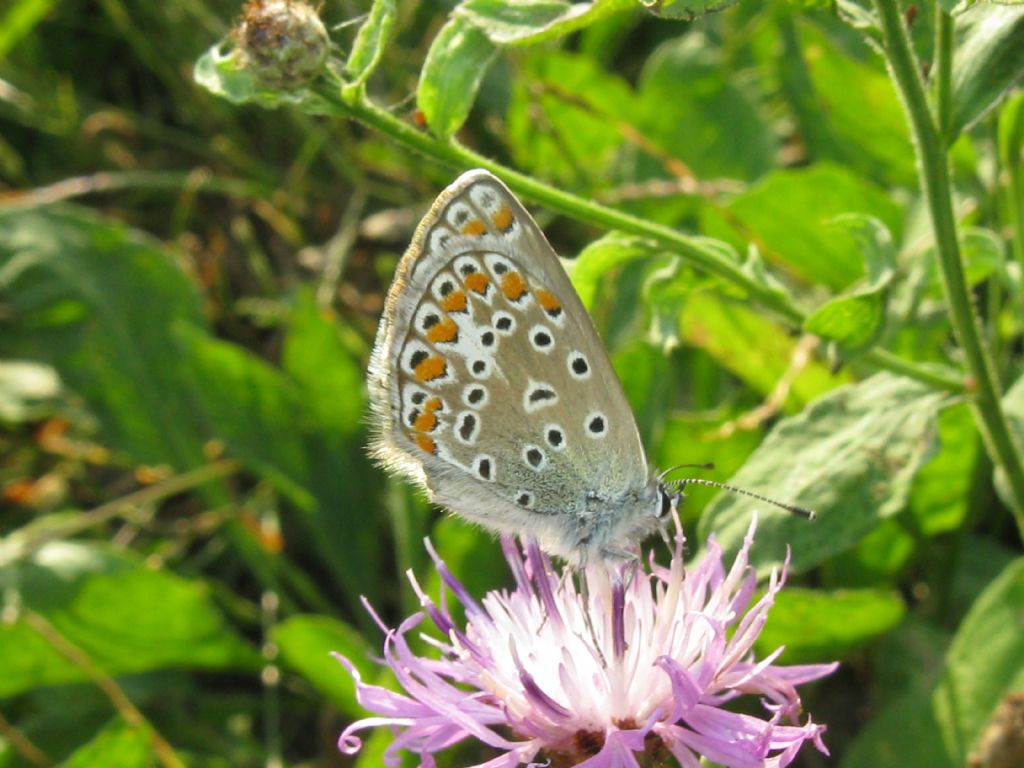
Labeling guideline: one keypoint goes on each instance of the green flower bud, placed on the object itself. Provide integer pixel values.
(283, 42)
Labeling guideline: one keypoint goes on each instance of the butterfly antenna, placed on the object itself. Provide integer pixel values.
(795, 509)
(670, 470)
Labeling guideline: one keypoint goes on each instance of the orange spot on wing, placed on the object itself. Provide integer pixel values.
(478, 282)
(426, 443)
(475, 228)
(513, 286)
(432, 405)
(547, 300)
(425, 422)
(454, 302)
(432, 368)
(503, 218)
(443, 332)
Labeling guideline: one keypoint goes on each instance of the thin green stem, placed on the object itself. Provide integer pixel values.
(942, 72)
(933, 168)
(1011, 149)
(692, 249)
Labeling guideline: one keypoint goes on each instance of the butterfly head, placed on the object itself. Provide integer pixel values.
(614, 527)
(668, 499)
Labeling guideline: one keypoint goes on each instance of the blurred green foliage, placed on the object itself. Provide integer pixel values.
(189, 287)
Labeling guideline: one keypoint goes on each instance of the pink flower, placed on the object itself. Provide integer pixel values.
(637, 668)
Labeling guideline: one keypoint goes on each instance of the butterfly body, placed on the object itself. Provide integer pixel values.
(490, 386)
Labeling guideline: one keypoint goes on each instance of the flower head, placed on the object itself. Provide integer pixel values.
(283, 42)
(636, 667)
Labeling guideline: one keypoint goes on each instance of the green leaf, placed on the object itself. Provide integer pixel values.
(985, 662)
(959, 6)
(856, 320)
(19, 20)
(784, 214)
(329, 378)
(755, 268)
(987, 62)
(815, 625)
(980, 561)
(904, 732)
(859, 15)
(937, 725)
(119, 745)
(686, 10)
(306, 644)
(850, 456)
(876, 560)
(756, 349)
(371, 40)
(221, 70)
(941, 495)
(601, 257)
(536, 21)
(983, 254)
(566, 117)
(96, 301)
(251, 407)
(1013, 407)
(680, 122)
(329, 383)
(455, 66)
(848, 111)
(102, 602)
(875, 244)
(644, 373)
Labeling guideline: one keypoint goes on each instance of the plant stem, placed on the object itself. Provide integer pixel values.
(690, 248)
(98, 515)
(942, 72)
(933, 169)
(1010, 146)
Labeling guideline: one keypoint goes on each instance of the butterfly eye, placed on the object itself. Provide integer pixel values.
(666, 503)
(668, 500)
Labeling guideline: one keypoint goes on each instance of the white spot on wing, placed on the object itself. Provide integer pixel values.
(458, 214)
(475, 395)
(554, 436)
(578, 365)
(534, 457)
(595, 425)
(503, 322)
(483, 467)
(542, 338)
(480, 368)
(467, 427)
(538, 395)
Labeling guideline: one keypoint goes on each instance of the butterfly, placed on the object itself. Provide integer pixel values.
(490, 387)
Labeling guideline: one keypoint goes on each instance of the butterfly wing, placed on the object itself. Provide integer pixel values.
(489, 383)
